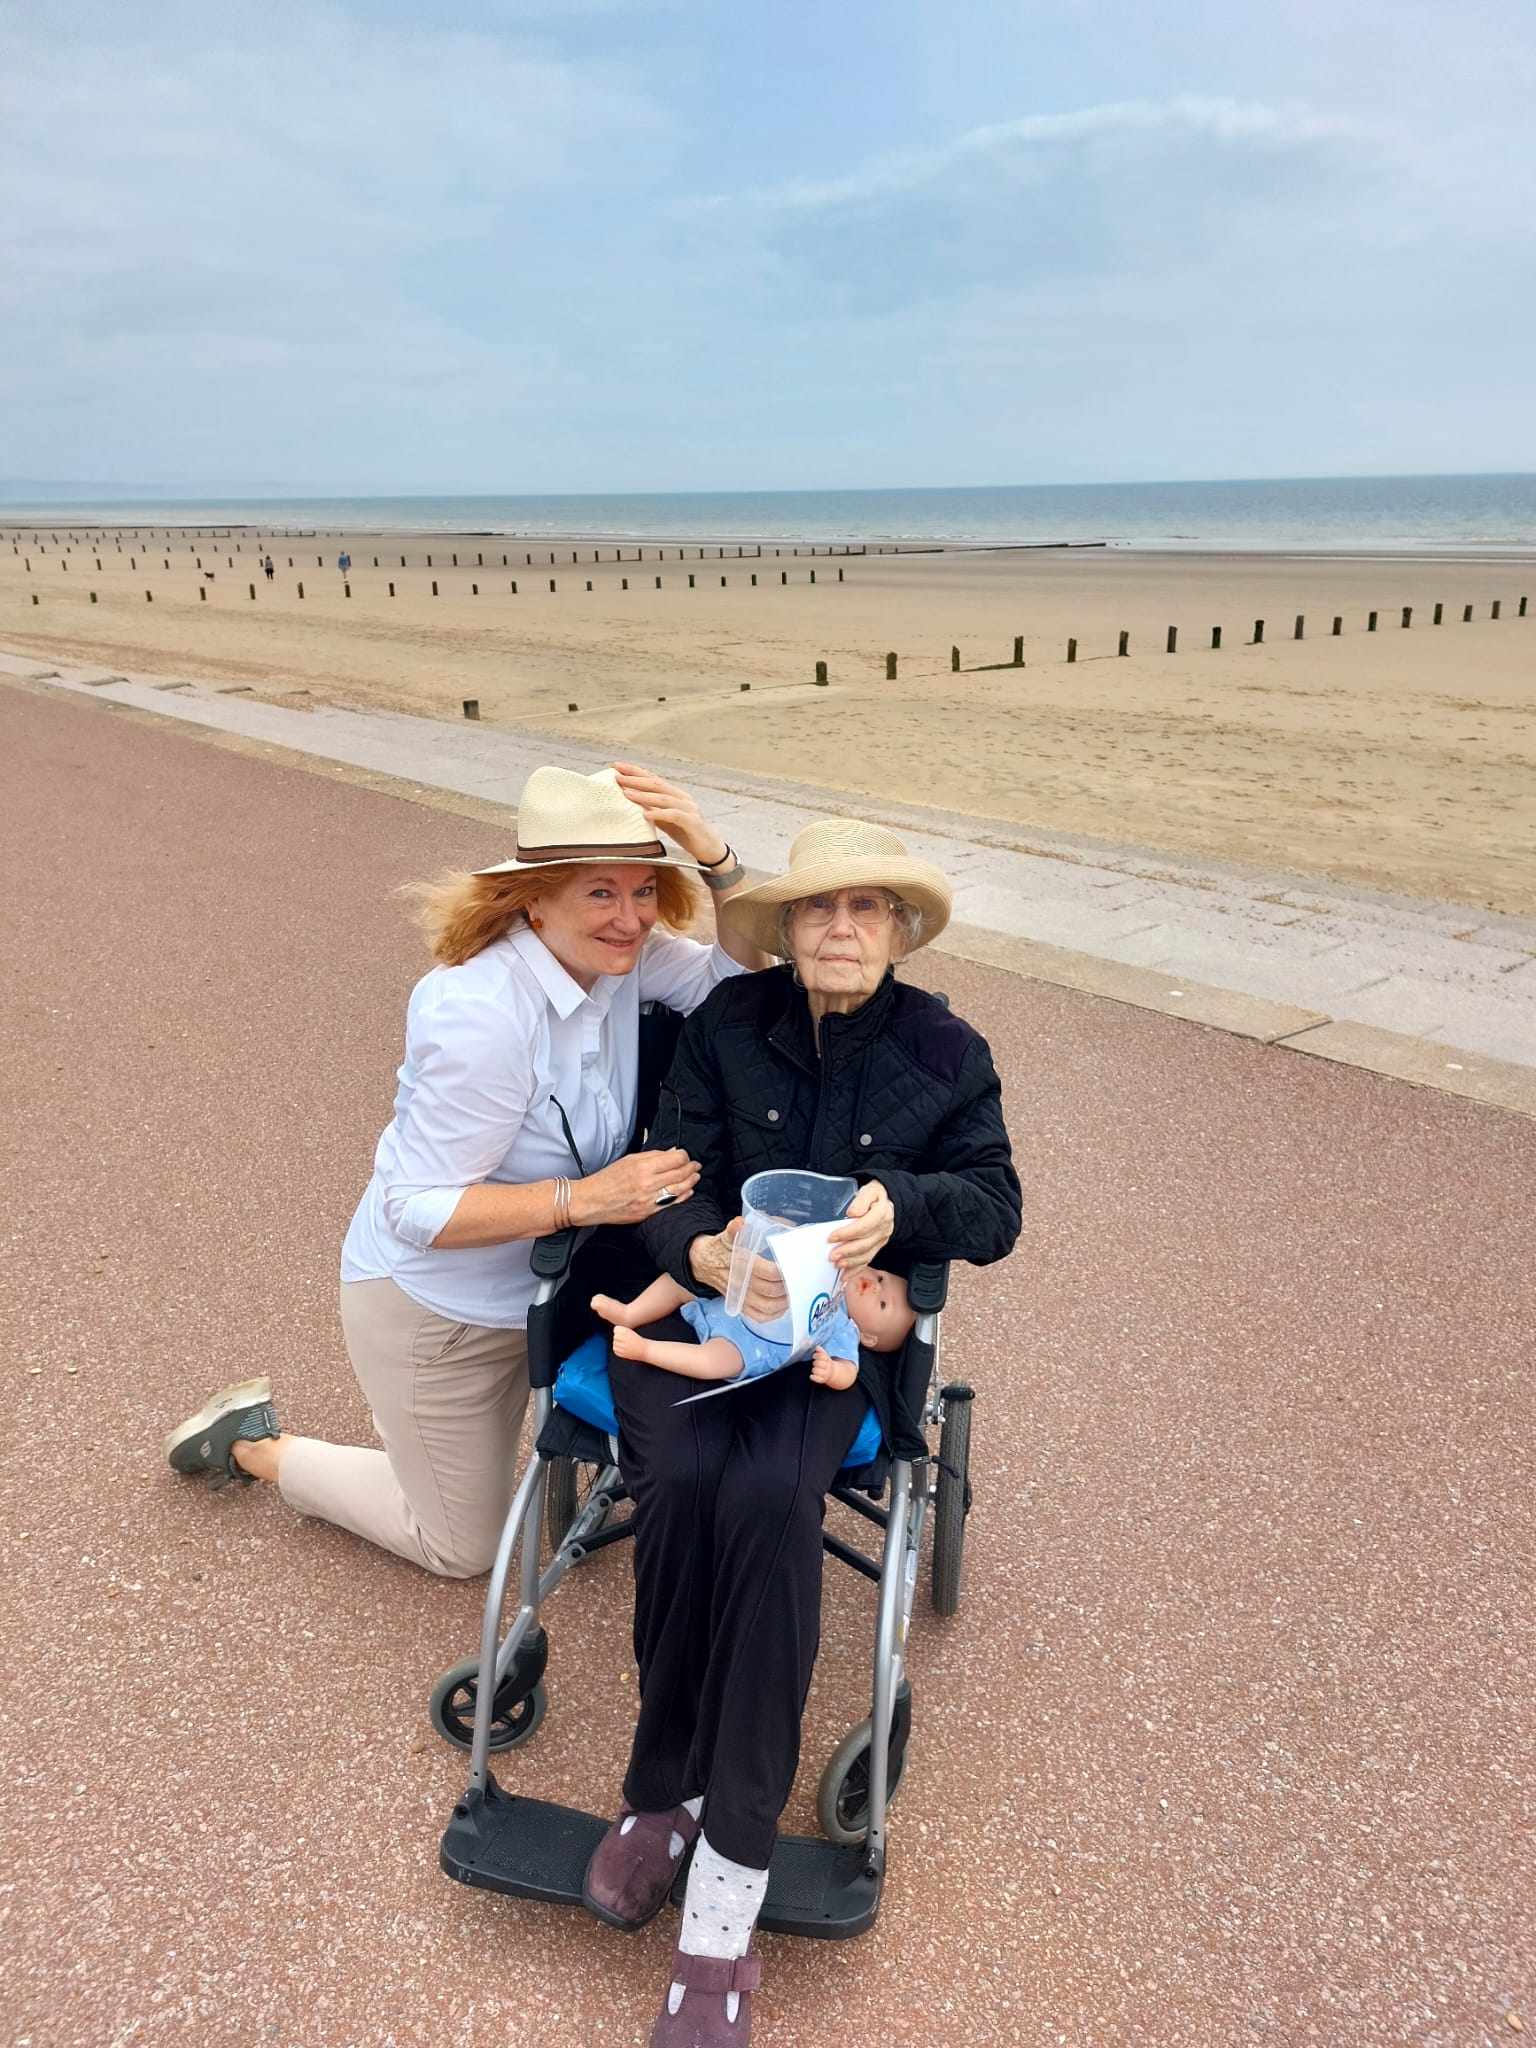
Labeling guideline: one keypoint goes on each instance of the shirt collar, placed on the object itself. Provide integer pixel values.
(564, 995)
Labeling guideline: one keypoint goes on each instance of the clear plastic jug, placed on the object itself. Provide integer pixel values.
(771, 1203)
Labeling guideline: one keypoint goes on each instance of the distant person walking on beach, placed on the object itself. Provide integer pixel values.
(515, 1109)
(343, 561)
(267, 569)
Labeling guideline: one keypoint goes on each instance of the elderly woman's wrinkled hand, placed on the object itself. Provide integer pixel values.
(866, 1227)
(709, 1260)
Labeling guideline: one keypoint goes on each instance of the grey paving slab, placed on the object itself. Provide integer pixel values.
(1278, 938)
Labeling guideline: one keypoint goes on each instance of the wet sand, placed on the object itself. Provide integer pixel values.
(1404, 760)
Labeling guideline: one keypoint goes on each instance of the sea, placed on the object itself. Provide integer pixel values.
(1340, 514)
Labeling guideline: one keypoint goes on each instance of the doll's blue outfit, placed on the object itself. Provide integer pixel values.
(835, 1334)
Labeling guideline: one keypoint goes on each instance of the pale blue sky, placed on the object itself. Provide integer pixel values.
(613, 245)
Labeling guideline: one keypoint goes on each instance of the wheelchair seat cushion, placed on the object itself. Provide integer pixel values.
(582, 1389)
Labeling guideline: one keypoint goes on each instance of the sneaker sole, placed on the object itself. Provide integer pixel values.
(244, 1394)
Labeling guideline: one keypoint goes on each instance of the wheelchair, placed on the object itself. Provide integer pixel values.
(571, 1490)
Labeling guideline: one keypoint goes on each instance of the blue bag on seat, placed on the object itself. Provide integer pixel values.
(582, 1389)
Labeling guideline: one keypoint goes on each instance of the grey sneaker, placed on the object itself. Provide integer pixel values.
(206, 1441)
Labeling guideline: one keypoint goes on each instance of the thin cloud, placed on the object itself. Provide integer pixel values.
(1218, 120)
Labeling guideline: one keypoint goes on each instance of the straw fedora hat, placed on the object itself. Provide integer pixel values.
(838, 853)
(565, 819)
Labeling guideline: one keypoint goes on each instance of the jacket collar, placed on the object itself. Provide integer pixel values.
(841, 1036)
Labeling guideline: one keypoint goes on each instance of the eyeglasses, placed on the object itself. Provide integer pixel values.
(869, 907)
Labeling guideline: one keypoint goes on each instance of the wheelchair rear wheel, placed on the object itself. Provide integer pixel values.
(952, 1498)
(566, 1493)
(842, 1797)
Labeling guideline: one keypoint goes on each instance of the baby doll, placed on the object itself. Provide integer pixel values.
(873, 1311)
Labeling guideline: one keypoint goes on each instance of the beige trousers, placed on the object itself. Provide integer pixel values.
(448, 1401)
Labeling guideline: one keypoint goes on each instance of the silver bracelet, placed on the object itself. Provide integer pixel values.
(726, 878)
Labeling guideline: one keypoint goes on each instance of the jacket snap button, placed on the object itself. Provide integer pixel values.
(865, 1138)
(773, 1116)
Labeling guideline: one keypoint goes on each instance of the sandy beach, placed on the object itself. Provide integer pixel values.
(1404, 760)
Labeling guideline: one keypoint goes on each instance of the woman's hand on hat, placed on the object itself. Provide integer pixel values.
(709, 1260)
(627, 1191)
(673, 811)
(867, 1225)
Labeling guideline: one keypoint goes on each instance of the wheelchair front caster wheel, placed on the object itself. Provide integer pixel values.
(513, 1718)
(842, 1797)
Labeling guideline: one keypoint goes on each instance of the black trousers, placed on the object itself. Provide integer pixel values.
(729, 1497)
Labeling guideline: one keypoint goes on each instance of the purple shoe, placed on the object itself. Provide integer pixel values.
(630, 1875)
(700, 2020)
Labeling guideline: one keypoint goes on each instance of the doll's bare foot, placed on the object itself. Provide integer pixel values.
(627, 1343)
(619, 1313)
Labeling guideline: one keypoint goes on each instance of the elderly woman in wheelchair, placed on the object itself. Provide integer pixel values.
(826, 1063)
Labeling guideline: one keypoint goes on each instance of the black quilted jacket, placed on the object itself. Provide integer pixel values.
(902, 1091)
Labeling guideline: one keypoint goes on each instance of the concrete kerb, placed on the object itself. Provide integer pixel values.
(1420, 1063)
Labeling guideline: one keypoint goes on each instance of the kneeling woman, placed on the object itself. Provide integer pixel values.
(516, 1102)
(827, 1063)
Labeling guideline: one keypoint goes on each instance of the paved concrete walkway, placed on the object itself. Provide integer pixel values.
(1229, 1743)
(1392, 983)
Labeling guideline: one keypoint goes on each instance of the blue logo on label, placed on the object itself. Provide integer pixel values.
(821, 1308)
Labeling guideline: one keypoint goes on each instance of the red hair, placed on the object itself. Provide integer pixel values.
(462, 913)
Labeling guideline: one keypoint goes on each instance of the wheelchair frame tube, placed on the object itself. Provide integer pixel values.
(888, 1659)
(523, 1518)
(898, 1569)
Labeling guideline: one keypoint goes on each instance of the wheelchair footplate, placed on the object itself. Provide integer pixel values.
(534, 1849)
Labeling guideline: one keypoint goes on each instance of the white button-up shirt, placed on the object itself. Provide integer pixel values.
(489, 1047)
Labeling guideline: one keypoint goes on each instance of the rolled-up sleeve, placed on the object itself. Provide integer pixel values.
(680, 972)
(469, 1070)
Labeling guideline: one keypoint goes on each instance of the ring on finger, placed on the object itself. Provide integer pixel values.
(665, 1197)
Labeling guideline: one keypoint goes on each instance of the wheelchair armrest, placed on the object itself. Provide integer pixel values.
(551, 1262)
(552, 1255)
(927, 1286)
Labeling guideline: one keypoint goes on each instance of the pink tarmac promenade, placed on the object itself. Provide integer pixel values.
(1230, 1742)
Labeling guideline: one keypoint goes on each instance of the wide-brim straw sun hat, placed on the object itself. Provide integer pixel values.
(833, 854)
(566, 819)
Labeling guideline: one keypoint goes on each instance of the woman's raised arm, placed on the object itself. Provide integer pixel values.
(673, 811)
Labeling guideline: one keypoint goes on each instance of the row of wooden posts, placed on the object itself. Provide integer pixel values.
(474, 588)
(1124, 647)
(720, 554)
(1468, 612)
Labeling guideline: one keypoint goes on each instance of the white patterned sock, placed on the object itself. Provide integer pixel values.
(719, 1913)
